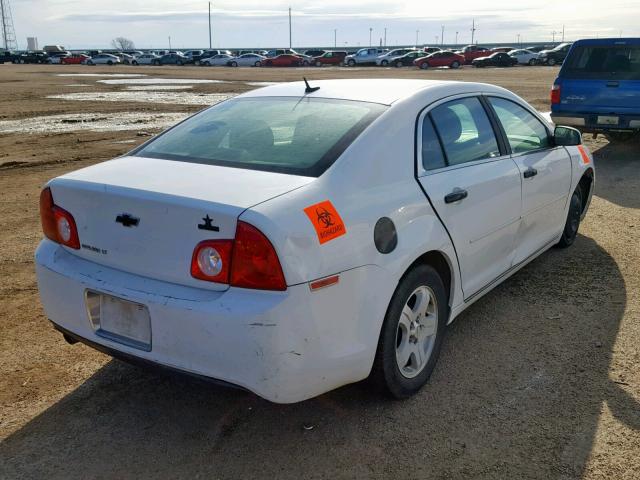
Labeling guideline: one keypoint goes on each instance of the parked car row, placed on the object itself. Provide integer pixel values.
(423, 57)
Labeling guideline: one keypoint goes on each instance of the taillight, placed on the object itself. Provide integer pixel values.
(248, 261)
(58, 225)
(555, 94)
(255, 262)
(211, 260)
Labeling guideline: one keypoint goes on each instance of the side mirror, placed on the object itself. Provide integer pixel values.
(567, 136)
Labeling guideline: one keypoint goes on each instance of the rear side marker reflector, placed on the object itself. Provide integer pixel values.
(324, 282)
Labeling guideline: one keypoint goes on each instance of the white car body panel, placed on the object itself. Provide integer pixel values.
(216, 61)
(524, 56)
(292, 345)
(248, 61)
(146, 59)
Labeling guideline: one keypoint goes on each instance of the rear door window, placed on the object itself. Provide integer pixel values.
(465, 131)
(614, 62)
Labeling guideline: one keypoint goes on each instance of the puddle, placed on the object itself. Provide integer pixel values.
(121, 75)
(159, 87)
(262, 84)
(180, 98)
(95, 122)
(157, 81)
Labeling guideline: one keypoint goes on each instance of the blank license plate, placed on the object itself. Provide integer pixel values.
(120, 320)
(607, 120)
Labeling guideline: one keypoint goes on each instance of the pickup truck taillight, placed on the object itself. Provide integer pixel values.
(58, 225)
(555, 94)
(248, 261)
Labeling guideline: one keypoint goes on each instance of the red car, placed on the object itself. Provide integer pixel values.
(329, 58)
(75, 59)
(440, 59)
(471, 52)
(285, 60)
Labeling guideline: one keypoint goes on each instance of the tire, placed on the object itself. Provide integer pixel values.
(532, 62)
(156, 63)
(305, 63)
(573, 220)
(424, 65)
(551, 62)
(351, 62)
(402, 336)
(179, 63)
(110, 62)
(318, 63)
(398, 64)
(257, 64)
(135, 62)
(455, 64)
(234, 64)
(384, 63)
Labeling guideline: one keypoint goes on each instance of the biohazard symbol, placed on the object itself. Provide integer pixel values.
(326, 221)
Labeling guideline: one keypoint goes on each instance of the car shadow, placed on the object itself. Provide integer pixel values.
(617, 172)
(517, 393)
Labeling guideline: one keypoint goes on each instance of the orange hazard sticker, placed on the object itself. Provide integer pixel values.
(584, 155)
(326, 221)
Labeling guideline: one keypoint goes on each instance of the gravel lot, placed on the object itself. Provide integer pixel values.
(539, 379)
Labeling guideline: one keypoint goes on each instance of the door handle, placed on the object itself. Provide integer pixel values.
(530, 172)
(455, 196)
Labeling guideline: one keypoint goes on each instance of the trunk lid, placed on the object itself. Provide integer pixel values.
(600, 96)
(145, 216)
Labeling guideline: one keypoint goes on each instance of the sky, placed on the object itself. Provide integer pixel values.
(78, 24)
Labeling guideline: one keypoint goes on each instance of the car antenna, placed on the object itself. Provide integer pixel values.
(309, 88)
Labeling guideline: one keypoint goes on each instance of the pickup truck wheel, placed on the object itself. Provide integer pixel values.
(573, 220)
(351, 62)
(412, 333)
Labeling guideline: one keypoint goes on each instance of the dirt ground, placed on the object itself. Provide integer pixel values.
(539, 379)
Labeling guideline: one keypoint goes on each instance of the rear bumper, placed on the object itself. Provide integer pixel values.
(284, 346)
(588, 122)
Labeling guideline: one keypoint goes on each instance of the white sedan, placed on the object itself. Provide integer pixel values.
(217, 60)
(103, 59)
(524, 57)
(145, 59)
(279, 242)
(247, 60)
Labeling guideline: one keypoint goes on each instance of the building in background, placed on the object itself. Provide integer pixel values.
(32, 44)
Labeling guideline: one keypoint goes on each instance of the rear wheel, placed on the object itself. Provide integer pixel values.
(179, 63)
(532, 62)
(455, 64)
(257, 64)
(398, 64)
(135, 62)
(110, 62)
(234, 64)
(384, 63)
(573, 220)
(412, 333)
(551, 62)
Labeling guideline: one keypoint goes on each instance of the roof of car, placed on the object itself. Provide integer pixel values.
(385, 91)
(608, 41)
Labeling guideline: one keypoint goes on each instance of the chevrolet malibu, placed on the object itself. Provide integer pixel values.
(279, 242)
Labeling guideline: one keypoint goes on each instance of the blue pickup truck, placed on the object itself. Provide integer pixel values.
(598, 88)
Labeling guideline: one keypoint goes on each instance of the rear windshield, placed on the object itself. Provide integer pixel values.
(300, 136)
(615, 62)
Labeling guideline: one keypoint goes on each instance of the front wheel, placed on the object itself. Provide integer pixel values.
(455, 65)
(351, 63)
(135, 62)
(551, 62)
(398, 64)
(412, 333)
(318, 63)
(532, 62)
(109, 62)
(424, 65)
(573, 220)
(234, 64)
(257, 64)
(384, 63)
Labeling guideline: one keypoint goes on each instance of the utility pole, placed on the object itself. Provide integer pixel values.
(370, 32)
(417, 33)
(436, 39)
(562, 33)
(290, 47)
(169, 42)
(442, 36)
(456, 38)
(518, 39)
(553, 36)
(210, 25)
(335, 38)
(385, 36)
(473, 30)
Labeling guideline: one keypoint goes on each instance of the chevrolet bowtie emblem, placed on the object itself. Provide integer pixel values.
(127, 220)
(208, 225)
